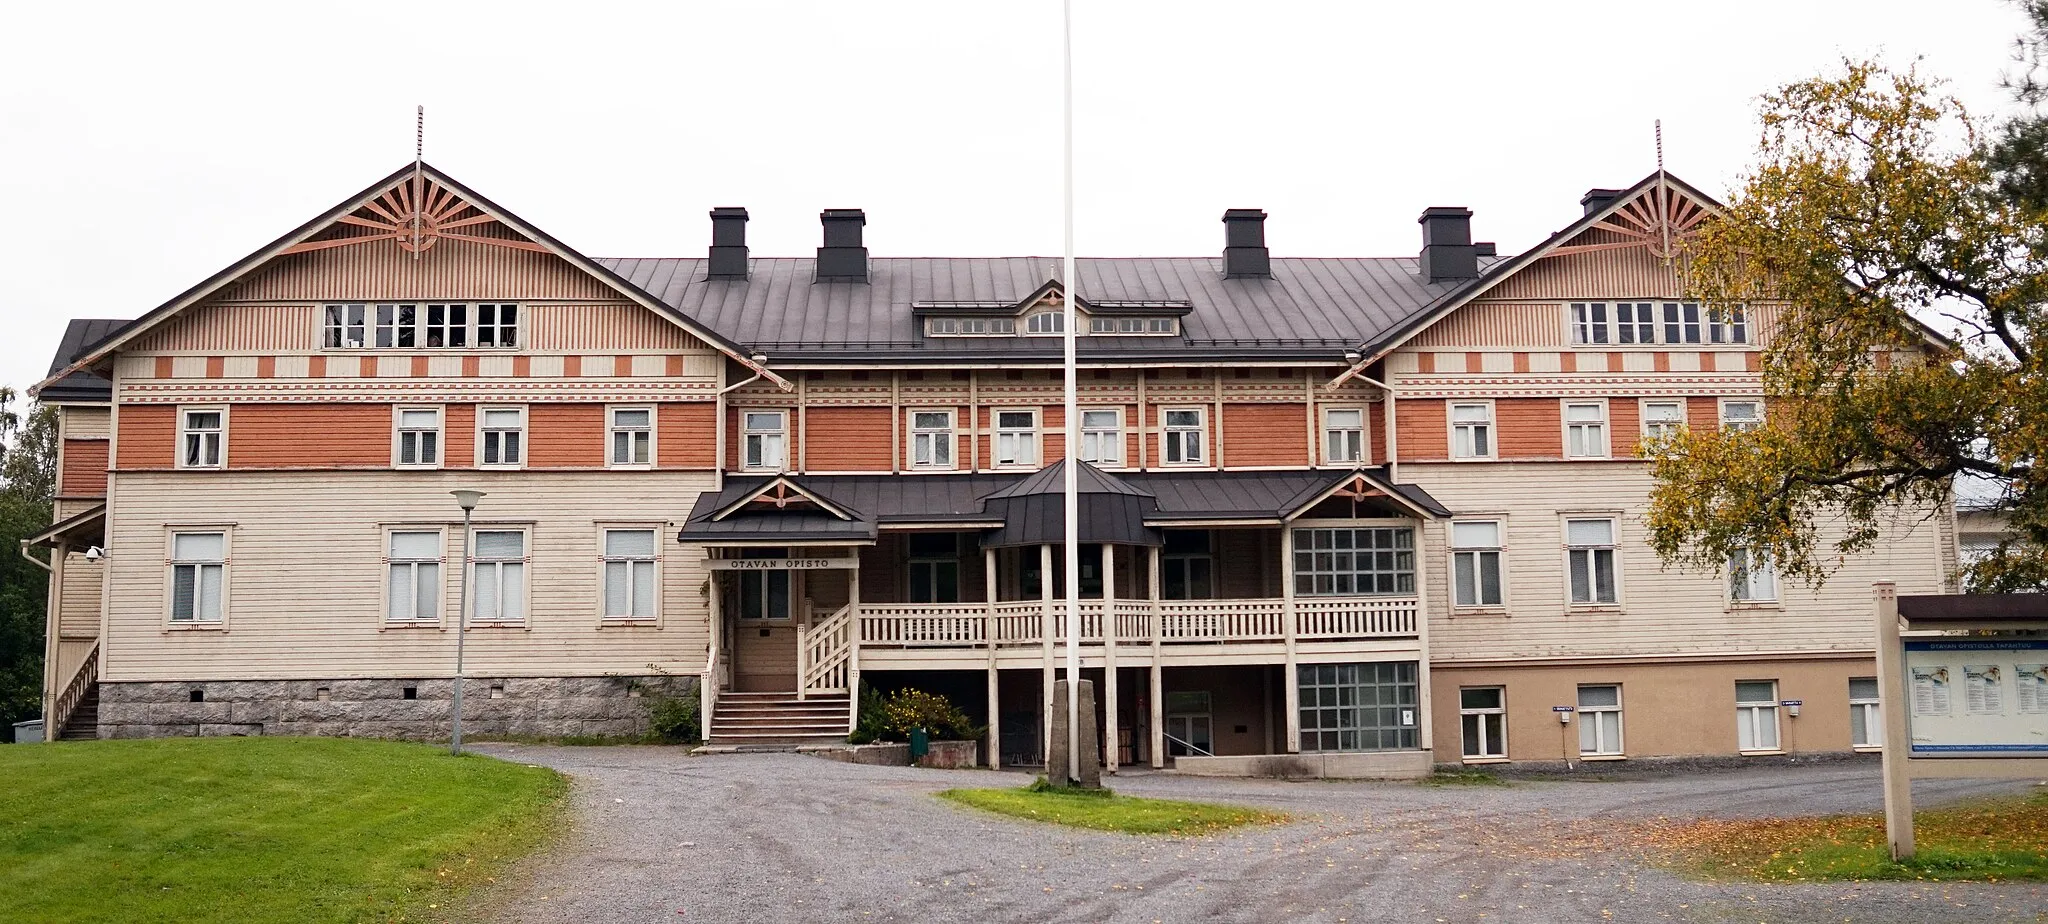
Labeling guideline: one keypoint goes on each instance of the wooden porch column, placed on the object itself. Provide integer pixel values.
(1109, 633)
(853, 645)
(1156, 748)
(1289, 680)
(1045, 634)
(1424, 709)
(995, 686)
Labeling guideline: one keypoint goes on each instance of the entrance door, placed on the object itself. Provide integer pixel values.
(1188, 729)
(764, 631)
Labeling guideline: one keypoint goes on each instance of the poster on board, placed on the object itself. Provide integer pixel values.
(1980, 697)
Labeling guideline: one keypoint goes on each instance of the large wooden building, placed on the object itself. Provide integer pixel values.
(1352, 515)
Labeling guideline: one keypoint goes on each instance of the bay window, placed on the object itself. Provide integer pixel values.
(1354, 561)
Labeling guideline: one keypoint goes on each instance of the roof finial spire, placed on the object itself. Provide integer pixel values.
(419, 155)
(1663, 194)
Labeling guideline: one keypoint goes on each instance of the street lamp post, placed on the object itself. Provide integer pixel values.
(467, 499)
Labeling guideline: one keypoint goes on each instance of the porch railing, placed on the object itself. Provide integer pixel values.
(1017, 623)
(825, 653)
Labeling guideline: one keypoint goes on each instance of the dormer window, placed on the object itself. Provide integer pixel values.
(1046, 322)
(970, 327)
(1153, 326)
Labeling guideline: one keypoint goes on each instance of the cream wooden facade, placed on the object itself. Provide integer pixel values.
(312, 486)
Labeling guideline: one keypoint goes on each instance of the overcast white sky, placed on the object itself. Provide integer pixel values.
(143, 149)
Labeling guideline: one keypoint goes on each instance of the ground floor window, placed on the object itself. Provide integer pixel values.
(1600, 719)
(1866, 729)
(1188, 724)
(1756, 715)
(1358, 707)
(1483, 714)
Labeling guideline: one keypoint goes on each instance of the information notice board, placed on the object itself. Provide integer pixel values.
(1976, 697)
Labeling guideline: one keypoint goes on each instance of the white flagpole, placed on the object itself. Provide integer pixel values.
(1072, 499)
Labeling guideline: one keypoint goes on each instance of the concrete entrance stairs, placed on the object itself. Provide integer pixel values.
(776, 721)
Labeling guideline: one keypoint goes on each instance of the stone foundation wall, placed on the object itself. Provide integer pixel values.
(538, 706)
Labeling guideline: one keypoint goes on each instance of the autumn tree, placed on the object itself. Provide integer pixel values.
(28, 456)
(1908, 248)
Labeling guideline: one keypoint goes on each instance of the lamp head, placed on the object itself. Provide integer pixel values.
(1353, 357)
(467, 499)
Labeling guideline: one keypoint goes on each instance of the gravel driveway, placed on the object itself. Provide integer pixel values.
(662, 836)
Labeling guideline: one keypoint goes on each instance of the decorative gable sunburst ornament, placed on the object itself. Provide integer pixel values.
(1658, 220)
(416, 214)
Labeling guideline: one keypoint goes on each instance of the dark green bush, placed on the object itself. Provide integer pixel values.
(891, 717)
(675, 719)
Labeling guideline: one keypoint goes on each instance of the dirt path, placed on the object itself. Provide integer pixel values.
(667, 837)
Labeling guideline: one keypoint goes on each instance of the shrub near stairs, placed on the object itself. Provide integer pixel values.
(891, 717)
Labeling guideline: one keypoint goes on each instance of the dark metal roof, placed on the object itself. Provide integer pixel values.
(1309, 308)
(1968, 608)
(79, 337)
(971, 501)
(1052, 480)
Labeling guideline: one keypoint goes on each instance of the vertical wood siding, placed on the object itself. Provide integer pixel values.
(85, 468)
(149, 436)
(452, 269)
(236, 328)
(1487, 323)
(306, 579)
(1265, 434)
(1599, 274)
(616, 326)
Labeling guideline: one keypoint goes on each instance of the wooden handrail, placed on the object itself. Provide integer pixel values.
(74, 693)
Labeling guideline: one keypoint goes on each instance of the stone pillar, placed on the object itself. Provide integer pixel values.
(1056, 755)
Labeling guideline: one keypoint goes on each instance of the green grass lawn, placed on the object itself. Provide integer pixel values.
(258, 829)
(1104, 811)
(1994, 840)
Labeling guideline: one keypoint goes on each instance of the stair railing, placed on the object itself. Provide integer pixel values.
(825, 653)
(707, 689)
(74, 693)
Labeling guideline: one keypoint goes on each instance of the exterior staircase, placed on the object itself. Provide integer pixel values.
(777, 721)
(84, 721)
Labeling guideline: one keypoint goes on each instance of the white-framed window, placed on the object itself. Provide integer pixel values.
(1370, 706)
(1354, 561)
(1600, 719)
(1742, 414)
(1102, 436)
(970, 327)
(762, 595)
(419, 437)
(1866, 724)
(410, 325)
(1589, 322)
(202, 437)
(497, 324)
(1728, 324)
(1016, 438)
(1045, 322)
(1756, 715)
(1638, 323)
(1589, 561)
(1472, 430)
(198, 577)
(1751, 579)
(412, 575)
(1681, 322)
(1483, 721)
(934, 567)
(631, 582)
(931, 439)
(498, 576)
(502, 437)
(1475, 563)
(1185, 436)
(1187, 565)
(1343, 434)
(1153, 326)
(632, 436)
(1662, 418)
(1585, 429)
(764, 440)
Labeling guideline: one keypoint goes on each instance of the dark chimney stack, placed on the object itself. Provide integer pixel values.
(1244, 245)
(1447, 250)
(1596, 199)
(843, 258)
(728, 243)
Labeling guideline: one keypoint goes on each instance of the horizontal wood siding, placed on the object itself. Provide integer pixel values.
(77, 421)
(1265, 434)
(1624, 426)
(85, 468)
(78, 605)
(451, 270)
(309, 436)
(688, 435)
(149, 436)
(306, 579)
(839, 439)
(458, 431)
(1528, 428)
(565, 435)
(1423, 433)
(1661, 611)
(1703, 414)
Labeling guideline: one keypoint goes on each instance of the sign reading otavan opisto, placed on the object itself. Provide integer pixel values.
(1976, 697)
(781, 564)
